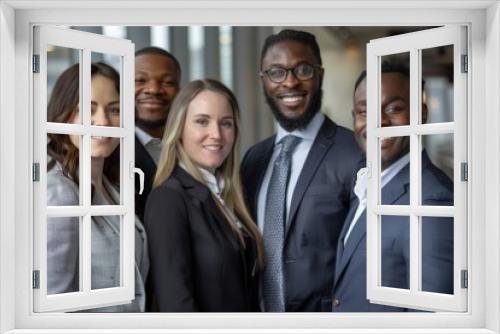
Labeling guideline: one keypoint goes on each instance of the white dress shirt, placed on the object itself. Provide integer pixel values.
(299, 156)
(362, 180)
(151, 144)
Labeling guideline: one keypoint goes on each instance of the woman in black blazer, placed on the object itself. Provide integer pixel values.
(205, 250)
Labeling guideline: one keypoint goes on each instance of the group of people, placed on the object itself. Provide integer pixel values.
(286, 232)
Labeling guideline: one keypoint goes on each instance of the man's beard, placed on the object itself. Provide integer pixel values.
(291, 124)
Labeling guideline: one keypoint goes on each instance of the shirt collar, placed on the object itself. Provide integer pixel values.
(308, 133)
(215, 184)
(387, 175)
(143, 136)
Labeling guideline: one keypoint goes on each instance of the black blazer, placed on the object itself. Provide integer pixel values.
(319, 206)
(196, 261)
(146, 163)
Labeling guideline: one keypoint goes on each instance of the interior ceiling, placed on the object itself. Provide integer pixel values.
(354, 36)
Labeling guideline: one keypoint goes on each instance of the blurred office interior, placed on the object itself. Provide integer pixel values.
(232, 54)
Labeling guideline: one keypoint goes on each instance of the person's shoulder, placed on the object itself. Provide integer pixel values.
(436, 185)
(344, 142)
(171, 187)
(255, 152)
(61, 190)
(259, 146)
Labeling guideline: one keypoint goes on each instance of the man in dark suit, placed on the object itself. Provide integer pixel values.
(157, 77)
(301, 203)
(349, 290)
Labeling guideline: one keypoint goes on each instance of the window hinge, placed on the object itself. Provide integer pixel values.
(36, 279)
(36, 63)
(465, 279)
(465, 66)
(36, 171)
(464, 171)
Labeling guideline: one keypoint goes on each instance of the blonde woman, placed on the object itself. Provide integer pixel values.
(204, 248)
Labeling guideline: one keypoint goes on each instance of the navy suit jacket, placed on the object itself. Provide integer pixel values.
(319, 206)
(349, 291)
(146, 163)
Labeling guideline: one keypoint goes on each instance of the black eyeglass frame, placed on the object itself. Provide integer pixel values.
(288, 70)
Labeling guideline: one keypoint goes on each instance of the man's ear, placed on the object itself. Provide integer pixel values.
(424, 113)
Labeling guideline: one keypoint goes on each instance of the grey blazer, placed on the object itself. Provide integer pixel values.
(63, 245)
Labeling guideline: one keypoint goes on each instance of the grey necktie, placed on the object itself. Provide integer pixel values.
(274, 227)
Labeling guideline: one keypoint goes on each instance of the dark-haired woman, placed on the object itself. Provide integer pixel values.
(205, 250)
(63, 189)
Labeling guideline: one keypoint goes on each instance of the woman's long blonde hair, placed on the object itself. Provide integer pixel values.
(173, 153)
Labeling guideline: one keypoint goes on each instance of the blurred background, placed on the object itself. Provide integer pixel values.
(232, 55)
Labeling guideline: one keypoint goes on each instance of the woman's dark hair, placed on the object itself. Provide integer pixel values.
(62, 107)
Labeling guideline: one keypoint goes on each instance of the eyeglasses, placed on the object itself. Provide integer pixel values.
(302, 72)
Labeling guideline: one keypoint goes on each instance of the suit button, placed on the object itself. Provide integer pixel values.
(336, 302)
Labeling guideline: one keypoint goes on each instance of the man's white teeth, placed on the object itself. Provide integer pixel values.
(291, 99)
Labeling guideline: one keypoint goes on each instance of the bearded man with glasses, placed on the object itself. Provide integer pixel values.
(298, 182)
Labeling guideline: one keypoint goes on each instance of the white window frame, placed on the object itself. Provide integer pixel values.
(85, 43)
(16, 19)
(413, 43)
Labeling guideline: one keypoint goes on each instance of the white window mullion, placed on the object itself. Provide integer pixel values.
(420, 210)
(415, 174)
(127, 194)
(77, 129)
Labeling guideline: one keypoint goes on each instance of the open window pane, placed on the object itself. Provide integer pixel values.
(394, 106)
(63, 254)
(395, 170)
(395, 251)
(437, 254)
(105, 261)
(438, 77)
(438, 152)
(73, 153)
(105, 93)
(106, 157)
(63, 170)
(430, 191)
(62, 60)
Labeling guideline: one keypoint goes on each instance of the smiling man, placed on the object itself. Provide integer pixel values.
(297, 182)
(157, 77)
(349, 289)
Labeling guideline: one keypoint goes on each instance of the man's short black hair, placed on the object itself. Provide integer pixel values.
(301, 37)
(153, 50)
(388, 67)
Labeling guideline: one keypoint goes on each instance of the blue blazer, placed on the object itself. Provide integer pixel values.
(319, 206)
(349, 290)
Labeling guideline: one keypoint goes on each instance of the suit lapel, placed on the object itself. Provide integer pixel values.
(397, 187)
(267, 152)
(391, 193)
(203, 195)
(320, 146)
(357, 235)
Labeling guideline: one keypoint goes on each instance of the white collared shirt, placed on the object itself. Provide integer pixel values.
(299, 156)
(361, 183)
(151, 144)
